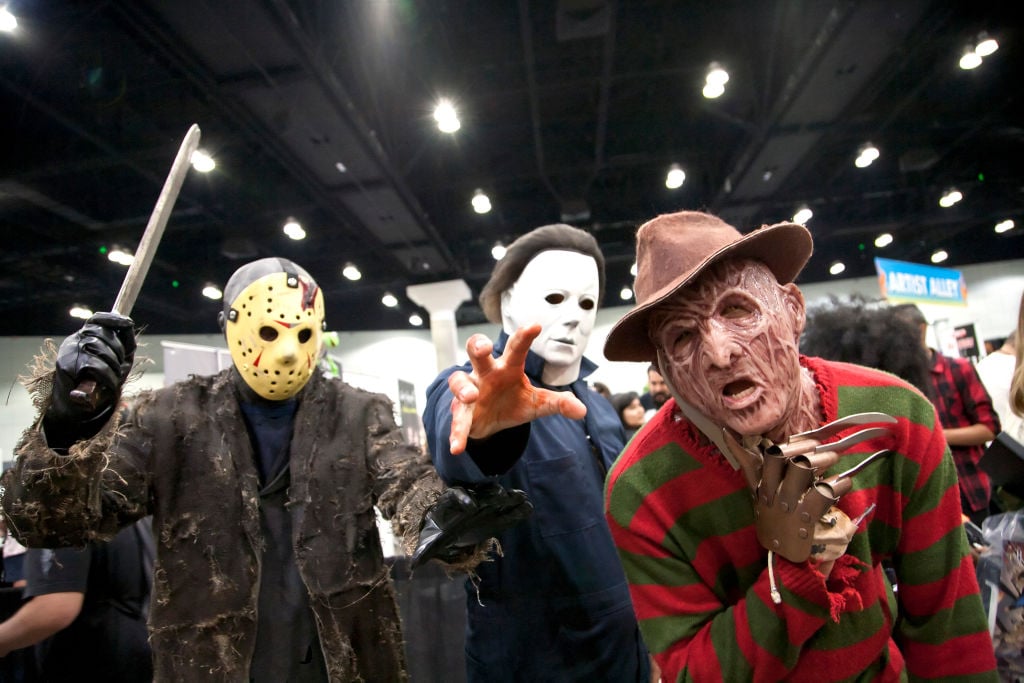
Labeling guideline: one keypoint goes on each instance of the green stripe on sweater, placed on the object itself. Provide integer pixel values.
(895, 401)
(646, 475)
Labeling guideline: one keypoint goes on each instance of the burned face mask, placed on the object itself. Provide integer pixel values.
(730, 344)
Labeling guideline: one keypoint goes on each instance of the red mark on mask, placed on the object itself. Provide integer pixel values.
(256, 363)
(308, 294)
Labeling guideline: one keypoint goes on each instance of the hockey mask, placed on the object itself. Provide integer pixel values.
(273, 326)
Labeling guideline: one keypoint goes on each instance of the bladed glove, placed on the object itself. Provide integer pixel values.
(92, 366)
(794, 505)
(466, 516)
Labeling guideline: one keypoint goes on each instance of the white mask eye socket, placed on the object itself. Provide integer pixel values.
(588, 304)
(555, 298)
(268, 333)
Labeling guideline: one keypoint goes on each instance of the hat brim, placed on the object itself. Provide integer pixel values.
(784, 247)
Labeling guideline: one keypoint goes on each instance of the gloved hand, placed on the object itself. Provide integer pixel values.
(465, 516)
(92, 365)
(794, 507)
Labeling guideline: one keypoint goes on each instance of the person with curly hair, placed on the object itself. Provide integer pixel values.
(869, 333)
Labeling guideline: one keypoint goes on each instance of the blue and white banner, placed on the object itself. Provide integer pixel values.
(904, 281)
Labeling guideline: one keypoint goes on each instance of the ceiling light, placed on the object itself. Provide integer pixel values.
(8, 22)
(481, 202)
(713, 90)
(939, 256)
(415, 320)
(351, 272)
(1003, 226)
(866, 154)
(883, 240)
(950, 197)
(803, 215)
(625, 293)
(120, 256)
(389, 300)
(202, 161)
(714, 81)
(632, 269)
(446, 116)
(675, 177)
(80, 312)
(498, 251)
(836, 268)
(212, 292)
(970, 60)
(341, 167)
(985, 45)
(293, 229)
(716, 74)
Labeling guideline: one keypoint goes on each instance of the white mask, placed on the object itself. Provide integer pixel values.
(558, 290)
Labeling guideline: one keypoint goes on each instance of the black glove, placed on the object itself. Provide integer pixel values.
(92, 365)
(465, 516)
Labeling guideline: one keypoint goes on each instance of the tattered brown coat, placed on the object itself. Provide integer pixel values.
(183, 454)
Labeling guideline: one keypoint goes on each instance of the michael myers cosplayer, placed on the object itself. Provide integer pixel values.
(555, 606)
(261, 480)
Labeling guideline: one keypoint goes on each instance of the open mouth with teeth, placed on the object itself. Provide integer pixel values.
(738, 390)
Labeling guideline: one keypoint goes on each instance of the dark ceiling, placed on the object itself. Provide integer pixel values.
(571, 110)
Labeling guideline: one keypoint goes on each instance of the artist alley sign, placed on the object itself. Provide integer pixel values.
(904, 281)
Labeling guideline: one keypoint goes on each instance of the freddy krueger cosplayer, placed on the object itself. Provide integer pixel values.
(554, 606)
(261, 480)
(754, 513)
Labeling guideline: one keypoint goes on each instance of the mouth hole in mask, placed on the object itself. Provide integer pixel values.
(738, 388)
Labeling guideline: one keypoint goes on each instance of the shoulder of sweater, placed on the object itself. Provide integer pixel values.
(843, 373)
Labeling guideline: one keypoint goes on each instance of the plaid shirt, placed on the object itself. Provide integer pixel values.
(961, 401)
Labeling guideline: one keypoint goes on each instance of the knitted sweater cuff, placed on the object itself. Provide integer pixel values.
(835, 595)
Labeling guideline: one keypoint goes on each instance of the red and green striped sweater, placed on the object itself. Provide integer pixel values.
(682, 520)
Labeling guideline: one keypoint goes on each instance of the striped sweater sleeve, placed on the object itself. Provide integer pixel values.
(682, 520)
(942, 631)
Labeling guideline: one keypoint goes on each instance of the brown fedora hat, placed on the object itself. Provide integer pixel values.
(674, 248)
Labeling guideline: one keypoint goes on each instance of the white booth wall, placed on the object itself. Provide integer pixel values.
(376, 361)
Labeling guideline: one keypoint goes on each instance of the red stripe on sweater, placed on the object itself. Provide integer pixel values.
(684, 493)
(939, 594)
(652, 601)
(961, 656)
(627, 541)
(930, 526)
(768, 666)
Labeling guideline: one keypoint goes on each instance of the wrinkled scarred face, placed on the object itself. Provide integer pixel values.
(275, 336)
(730, 341)
(557, 289)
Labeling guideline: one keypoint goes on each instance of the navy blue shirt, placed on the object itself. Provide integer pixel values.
(555, 604)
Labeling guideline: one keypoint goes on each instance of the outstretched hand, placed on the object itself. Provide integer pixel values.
(497, 395)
